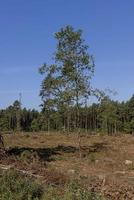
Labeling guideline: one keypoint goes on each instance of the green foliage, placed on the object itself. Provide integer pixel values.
(4, 125)
(108, 116)
(36, 125)
(127, 127)
(14, 186)
(92, 157)
(28, 157)
(105, 117)
(67, 81)
(73, 192)
(16, 119)
(39, 123)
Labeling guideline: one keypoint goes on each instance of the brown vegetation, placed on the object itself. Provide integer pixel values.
(104, 165)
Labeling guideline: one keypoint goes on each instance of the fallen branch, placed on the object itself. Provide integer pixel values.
(28, 173)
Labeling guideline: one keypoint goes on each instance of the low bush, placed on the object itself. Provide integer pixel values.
(28, 157)
(73, 191)
(14, 186)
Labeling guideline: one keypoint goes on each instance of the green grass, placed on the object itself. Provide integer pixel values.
(14, 186)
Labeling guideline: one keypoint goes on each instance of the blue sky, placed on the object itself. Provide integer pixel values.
(26, 41)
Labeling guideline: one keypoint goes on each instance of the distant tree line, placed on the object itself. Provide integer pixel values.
(106, 117)
(14, 118)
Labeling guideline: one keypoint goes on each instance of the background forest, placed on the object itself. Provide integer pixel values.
(107, 117)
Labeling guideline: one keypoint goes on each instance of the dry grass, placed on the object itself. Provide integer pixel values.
(103, 158)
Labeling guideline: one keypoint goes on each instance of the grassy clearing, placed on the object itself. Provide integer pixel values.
(55, 158)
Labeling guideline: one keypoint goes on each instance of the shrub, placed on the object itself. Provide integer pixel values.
(14, 186)
(28, 157)
(73, 192)
(76, 192)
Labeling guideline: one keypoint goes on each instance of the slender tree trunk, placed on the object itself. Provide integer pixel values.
(68, 121)
(18, 120)
(115, 128)
(78, 124)
(86, 123)
(48, 125)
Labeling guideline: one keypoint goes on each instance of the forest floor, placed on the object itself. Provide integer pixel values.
(106, 165)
